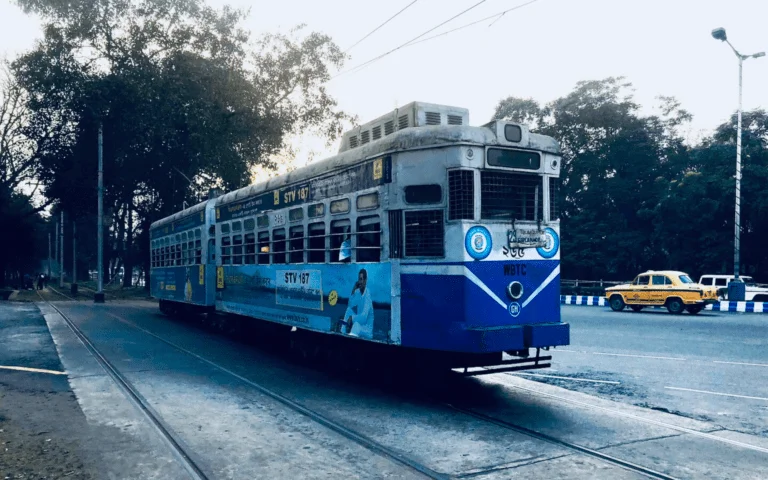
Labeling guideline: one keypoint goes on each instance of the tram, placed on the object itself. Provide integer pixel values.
(422, 234)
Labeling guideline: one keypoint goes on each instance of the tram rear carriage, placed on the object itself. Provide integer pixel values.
(423, 233)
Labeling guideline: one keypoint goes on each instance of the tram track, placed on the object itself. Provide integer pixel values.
(183, 453)
(377, 447)
(175, 444)
(625, 464)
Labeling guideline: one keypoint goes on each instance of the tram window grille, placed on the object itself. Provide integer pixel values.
(341, 232)
(554, 198)
(365, 137)
(237, 227)
(389, 127)
(197, 233)
(178, 254)
(198, 251)
(263, 257)
(424, 233)
(376, 131)
(353, 141)
(510, 196)
(184, 253)
(187, 253)
(461, 195)
(226, 251)
(249, 224)
(455, 120)
(396, 234)
(369, 239)
(224, 228)
(278, 246)
(317, 242)
(433, 118)
(402, 122)
(262, 221)
(297, 244)
(237, 250)
(250, 249)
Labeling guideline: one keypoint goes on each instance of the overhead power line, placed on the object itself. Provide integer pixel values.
(497, 17)
(365, 64)
(385, 22)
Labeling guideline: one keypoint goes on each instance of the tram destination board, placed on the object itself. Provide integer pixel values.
(366, 175)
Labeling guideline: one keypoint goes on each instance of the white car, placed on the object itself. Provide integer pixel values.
(754, 292)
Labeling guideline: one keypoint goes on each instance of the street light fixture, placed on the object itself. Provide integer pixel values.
(719, 34)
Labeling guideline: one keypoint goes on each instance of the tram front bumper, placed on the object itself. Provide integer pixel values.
(518, 337)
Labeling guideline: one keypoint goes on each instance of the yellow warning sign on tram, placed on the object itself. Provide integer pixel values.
(219, 277)
(201, 275)
(333, 297)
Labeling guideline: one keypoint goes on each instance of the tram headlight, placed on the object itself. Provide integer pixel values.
(515, 290)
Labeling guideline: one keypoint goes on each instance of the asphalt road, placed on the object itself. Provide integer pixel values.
(711, 367)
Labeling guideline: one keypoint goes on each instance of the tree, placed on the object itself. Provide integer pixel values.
(185, 104)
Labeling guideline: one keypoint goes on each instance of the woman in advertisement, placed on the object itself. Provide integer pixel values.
(359, 314)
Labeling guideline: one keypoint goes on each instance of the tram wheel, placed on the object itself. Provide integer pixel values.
(636, 308)
(617, 303)
(694, 309)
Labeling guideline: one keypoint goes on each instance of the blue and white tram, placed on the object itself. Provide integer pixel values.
(423, 233)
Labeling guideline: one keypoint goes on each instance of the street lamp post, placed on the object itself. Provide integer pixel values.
(719, 34)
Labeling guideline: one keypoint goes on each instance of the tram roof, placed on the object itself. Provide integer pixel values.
(179, 215)
(414, 138)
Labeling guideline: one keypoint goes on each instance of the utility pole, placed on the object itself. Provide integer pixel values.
(56, 247)
(61, 257)
(49, 255)
(74, 260)
(99, 297)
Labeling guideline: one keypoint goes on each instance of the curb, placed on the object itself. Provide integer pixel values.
(746, 307)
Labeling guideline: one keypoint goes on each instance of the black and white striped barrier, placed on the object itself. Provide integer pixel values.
(747, 307)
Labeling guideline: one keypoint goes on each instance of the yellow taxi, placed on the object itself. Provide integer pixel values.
(674, 290)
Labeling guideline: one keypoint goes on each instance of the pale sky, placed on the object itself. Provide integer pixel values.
(664, 47)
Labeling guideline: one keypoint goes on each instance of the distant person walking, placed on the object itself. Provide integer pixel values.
(40, 281)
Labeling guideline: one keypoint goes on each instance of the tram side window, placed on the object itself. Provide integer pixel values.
(198, 251)
(226, 251)
(278, 245)
(341, 241)
(297, 244)
(263, 248)
(184, 249)
(369, 239)
(317, 242)
(178, 254)
(250, 248)
(237, 249)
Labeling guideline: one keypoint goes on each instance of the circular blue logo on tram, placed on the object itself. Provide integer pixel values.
(478, 242)
(553, 244)
(514, 309)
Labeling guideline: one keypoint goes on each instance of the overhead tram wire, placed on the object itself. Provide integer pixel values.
(497, 17)
(377, 28)
(363, 65)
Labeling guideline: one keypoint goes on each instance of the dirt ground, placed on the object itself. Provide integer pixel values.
(30, 446)
(40, 420)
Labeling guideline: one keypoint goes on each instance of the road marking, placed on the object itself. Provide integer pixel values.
(717, 393)
(34, 370)
(566, 378)
(740, 363)
(620, 354)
